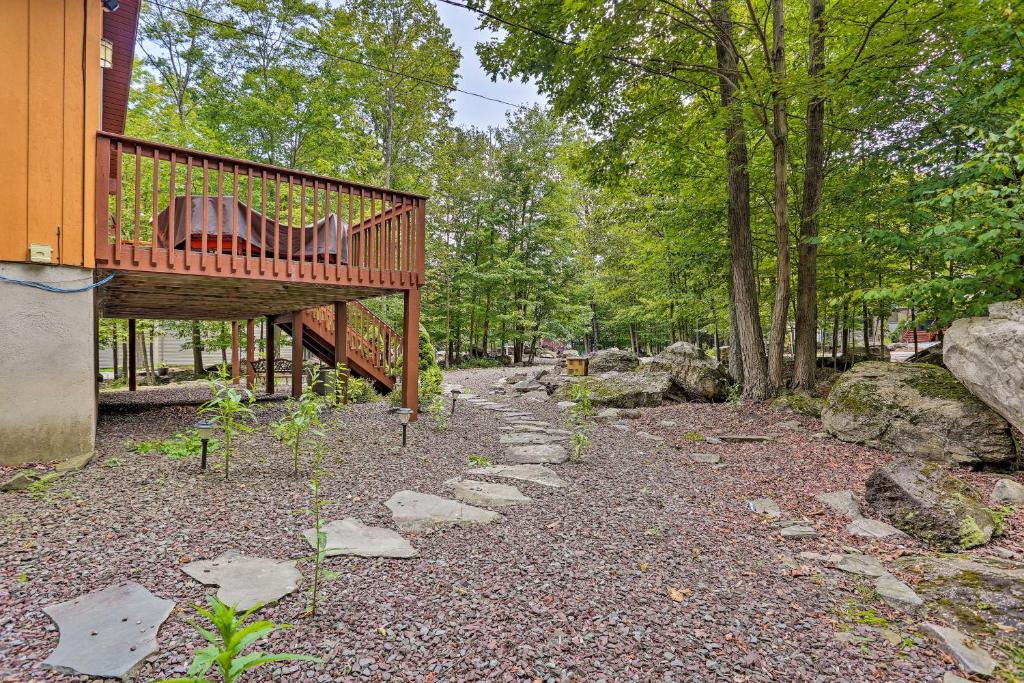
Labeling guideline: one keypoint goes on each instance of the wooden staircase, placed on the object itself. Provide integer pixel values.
(374, 348)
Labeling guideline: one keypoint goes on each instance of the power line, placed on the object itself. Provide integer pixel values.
(332, 55)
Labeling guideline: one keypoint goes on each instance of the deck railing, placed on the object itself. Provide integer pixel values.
(166, 209)
(369, 337)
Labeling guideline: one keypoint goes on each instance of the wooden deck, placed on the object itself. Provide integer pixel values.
(189, 235)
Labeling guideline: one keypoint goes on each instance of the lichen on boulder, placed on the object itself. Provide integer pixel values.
(612, 360)
(621, 389)
(694, 376)
(917, 409)
(924, 500)
(802, 404)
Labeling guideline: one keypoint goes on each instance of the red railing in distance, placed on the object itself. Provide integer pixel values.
(171, 210)
(369, 338)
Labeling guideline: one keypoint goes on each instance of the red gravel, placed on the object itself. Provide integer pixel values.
(578, 586)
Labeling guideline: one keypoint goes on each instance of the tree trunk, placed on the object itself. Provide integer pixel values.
(867, 331)
(780, 142)
(124, 359)
(197, 350)
(735, 353)
(814, 171)
(594, 328)
(748, 321)
(113, 348)
(146, 359)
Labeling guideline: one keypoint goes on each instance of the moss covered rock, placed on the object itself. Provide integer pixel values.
(621, 389)
(918, 409)
(927, 502)
(694, 376)
(799, 403)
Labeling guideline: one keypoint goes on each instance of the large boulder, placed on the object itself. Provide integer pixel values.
(918, 409)
(612, 360)
(924, 500)
(622, 389)
(987, 355)
(695, 376)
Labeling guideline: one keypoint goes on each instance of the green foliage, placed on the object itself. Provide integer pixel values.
(361, 391)
(317, 503)
(439, 411)
(230, 409)
(182, 445)
(580, 394)
(477, 363)
(300, 422)
(479, 461)
(578, 443)
(430, 383)
(229, 639)
(40, 489)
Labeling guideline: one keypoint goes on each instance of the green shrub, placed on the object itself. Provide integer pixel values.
(361, 390)
(182, 445)
(475, 363)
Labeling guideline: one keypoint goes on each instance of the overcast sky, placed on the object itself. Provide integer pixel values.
(469, 110)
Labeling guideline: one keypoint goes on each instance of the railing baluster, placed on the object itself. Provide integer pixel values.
(279, 249)
(205, 199)
(220, 216)
(248, 221)
(188, 215)
(234, 217)
(291, 224)
(118, 200)
(155, 209)
(138, 205)
(263, 227)
(172, 184)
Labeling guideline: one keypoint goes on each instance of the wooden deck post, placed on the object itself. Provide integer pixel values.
(236, 370)
(270, 354)
(411, 352)
(132, 343)
(340, 346)
(250, 354)
(297, 325)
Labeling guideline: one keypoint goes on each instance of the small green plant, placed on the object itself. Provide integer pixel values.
(301, 420)
(228, 641)
(113, 462)
(361, 391)
(735, 394)
(479, 460)
(579, 443)
(999, 517)
(693, 436)
(40, 488)
(580, 394)
(431, 379)
(654, 531)
(317, 504)
(182, 445)
(438, 410)
(230, 409)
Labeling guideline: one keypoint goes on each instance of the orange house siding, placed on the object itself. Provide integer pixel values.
(49, 113)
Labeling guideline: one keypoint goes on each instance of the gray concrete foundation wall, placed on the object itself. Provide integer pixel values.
(47, 365)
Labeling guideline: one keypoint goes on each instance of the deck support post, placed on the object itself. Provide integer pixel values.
(271, 328)
(297, 325)
(250, 354)
(132, 343)
(411, 352)
(236, 370)
(340, 338)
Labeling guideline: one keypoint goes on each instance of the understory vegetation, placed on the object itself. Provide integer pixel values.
(780, 178)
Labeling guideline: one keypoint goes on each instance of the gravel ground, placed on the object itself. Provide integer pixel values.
(645, 568)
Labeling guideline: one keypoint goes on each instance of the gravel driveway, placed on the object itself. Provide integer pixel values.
(645, 568)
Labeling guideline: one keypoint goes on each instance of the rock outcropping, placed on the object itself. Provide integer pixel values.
(918, 409)
(694, 376)
(612, 360)
(987, 355)
(622, 389)
(924, 500)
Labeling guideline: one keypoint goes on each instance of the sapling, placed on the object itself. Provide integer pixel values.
(230, 409)
(300, 422)
(320, 575)
(229, 639)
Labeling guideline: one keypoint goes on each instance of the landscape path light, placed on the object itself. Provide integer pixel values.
(455, 397)
(404, 414)
(205, 428)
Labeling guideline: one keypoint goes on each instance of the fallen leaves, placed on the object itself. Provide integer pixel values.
(679, 594)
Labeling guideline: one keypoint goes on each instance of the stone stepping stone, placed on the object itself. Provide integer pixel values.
(620, 428)
(107, 633)
(487, 494)
(745, 438)
(668, 423)
(799, 531)
(246, 581)
(536, 395)
(534, 429)
(843, 502)
(415, 511)
(872, 528)
(525, 421)
(531, 438)
(537, 474)
(647, 436)
(538, 454)
(764, 506)
(969, 657)
(861, 565)
(566, 405)
(897, 594)
(705, 458)
(350, 536)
